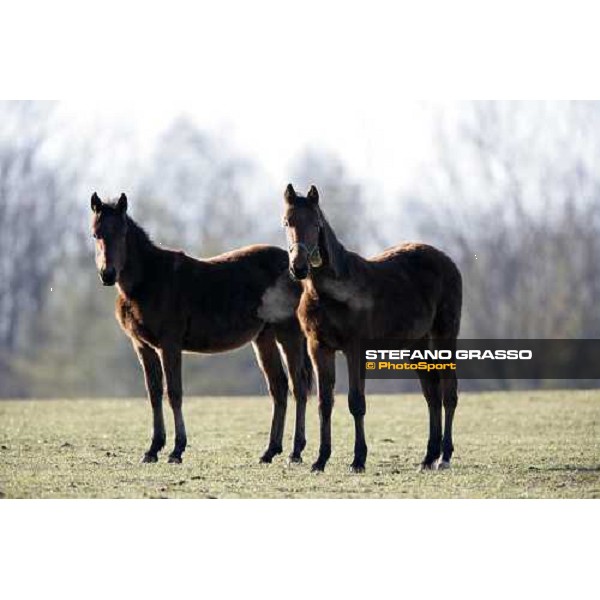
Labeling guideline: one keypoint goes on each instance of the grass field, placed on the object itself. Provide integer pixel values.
(508, 445)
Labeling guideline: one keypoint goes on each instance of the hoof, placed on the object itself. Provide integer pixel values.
(356, 468)
(443, 465)
(175, 460)
(429, 466)
(269, 454)
(294, 460)
(150, 458)
(318, 467)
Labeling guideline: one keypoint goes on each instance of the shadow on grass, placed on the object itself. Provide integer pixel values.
(568, 468)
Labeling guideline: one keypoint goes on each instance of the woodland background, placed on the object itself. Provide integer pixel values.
(512, 193)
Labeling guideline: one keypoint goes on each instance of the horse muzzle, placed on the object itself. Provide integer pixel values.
(299, 273)
(108, 276)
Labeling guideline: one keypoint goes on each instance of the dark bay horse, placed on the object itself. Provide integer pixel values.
(169, 302)
(408, 292)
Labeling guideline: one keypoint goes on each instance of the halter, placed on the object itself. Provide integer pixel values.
(313, 253)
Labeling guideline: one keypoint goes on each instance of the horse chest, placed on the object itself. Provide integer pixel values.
(327, 320)
(136, 322)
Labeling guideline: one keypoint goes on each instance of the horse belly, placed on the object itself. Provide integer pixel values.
(215, 337)
(412, 319)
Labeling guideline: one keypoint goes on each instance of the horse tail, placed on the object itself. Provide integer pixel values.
(447, 320)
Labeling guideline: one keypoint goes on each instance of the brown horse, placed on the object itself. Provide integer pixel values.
(409, 292)
(169, 303)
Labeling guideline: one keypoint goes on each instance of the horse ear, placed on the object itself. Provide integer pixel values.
(313, 195)
(290, 193)
(96, 203)
(122, 204)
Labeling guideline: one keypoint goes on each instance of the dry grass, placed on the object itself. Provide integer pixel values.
(508, 445)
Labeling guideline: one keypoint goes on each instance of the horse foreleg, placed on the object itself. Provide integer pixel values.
(171, 364)
(357, 406)
(154, 386)
(324, 364)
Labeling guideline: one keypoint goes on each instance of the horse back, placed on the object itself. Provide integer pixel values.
(207, 305)
(406, 291)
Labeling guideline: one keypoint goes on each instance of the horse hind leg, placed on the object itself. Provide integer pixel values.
(450, 400)
(445, 338)
(445, 331)
(431, 386)
(171, 363)
(269, 360)
(300, 371)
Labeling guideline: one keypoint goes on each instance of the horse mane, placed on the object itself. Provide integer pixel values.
(336, 254)
(139, 235)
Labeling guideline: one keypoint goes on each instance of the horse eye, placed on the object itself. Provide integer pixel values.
(286, 223)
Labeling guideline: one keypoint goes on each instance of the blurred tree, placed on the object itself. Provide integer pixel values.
(58, 335)
(343, 198)
(514, 199)
(193, 191)
(513, 196)
(33, 220)
(192, 196)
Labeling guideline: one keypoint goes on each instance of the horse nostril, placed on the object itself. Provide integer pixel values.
(299, 273)
(108, 276)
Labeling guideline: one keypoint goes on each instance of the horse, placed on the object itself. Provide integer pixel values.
(409, 292)
(169, 303)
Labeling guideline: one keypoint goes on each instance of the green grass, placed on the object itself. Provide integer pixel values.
(508, 445)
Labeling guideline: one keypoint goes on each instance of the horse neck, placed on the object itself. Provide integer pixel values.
(337, 256)
(139, 251)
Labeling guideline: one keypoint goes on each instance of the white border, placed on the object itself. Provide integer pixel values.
(373, 52)
(298, 549)
(305, 549)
